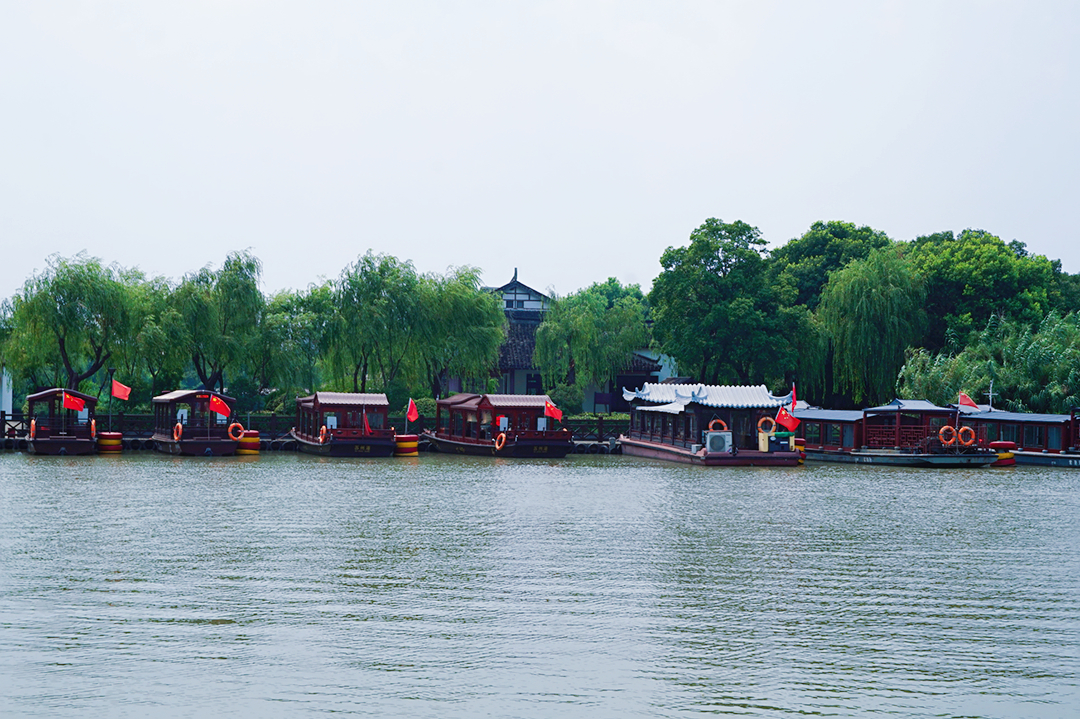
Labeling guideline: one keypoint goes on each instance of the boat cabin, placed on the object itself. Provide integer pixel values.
(1049, 433)
(480, 418)
(56, 429)
(909, 425)
(830, 429)
(190, 409)
(345, 416)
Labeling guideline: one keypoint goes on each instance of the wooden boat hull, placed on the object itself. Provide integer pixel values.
(366, 447)
(61, 446)
(904, 459)
(744, 457)
(194, 447)
(519, 448)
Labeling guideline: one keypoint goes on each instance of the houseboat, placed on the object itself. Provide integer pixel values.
(904, 432)
(1051, 440)
(195, 422)
(500, 425)
(57, 426)
(344, 424)
(712, 425)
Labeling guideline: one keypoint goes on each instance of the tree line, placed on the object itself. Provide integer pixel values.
(849, 314)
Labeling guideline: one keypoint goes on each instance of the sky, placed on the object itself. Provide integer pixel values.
(574, 141)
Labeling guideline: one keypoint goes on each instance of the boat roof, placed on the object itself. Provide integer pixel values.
(186, 395)
(497, 401)
(1001, 416)
(815, 414)
(727, 396)
(345, 399)
(908, 405)
(56, 391)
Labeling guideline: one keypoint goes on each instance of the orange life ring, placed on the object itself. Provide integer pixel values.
(951, 432)
(93, 429)
(323, 434)
(235, 437)
(763, 420)
(500, 441)
(33, 428)
(969, 432)
(177, 432)
(723, 425)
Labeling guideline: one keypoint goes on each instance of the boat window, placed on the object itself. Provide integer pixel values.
(376, 420)
(834, 435)
(849, 435)
(693, 426)
(1053, 438)
(457, 424)
(992, 431)
(1033, 435)
(1008, 432)
(812, 432)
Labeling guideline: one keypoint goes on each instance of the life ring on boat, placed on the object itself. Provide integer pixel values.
(235, 437)
(93, 429)
(33, 428)
(966, 435)
(500, 441)
(177, 432)
(722, 423)
(947, 431)
(323, 434)
(763, 420)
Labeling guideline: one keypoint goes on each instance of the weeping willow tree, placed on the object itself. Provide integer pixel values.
(872, 311)
(1033, 369)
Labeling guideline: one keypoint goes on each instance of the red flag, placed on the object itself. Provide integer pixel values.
(73, 402)
(966, 401)
(413, 414)
(792, 396)
(552, 411)
(120, 391)
(367, 427)
(786, 419)
(217, 404)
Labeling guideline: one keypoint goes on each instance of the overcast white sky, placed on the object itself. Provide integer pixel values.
(573, 140)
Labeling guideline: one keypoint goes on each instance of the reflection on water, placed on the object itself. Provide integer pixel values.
(454, 586)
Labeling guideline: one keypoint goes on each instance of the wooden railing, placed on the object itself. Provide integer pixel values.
(597, 430)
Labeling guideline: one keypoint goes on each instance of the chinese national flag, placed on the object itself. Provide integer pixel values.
(786, 419)
(413, 414)
(966, 401)
(367, 427)
(73, 402)
(552, 411)
(217, 404)
(120, 391)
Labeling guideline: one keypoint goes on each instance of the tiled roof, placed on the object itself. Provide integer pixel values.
(347, 399)
(733, 396)
(640, 364)
(517, 400)
(517, 351)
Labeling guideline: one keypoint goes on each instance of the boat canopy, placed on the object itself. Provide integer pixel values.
(186, 395)
(816, 414)
(57, 391)
(1002, 416)
(721, 396)
(345, 399)
(908, 405)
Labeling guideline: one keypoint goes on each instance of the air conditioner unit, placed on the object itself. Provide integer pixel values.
(718, 442)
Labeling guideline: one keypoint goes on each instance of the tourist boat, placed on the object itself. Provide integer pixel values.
(56, 429)
(1051, 440)
(186, 422)
(904, 432)
(711, 425)
(344, 424)
(500, 425)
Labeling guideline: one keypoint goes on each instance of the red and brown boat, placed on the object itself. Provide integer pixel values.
(499, 425)
(344, 424)
(185, 423)
(58, 429)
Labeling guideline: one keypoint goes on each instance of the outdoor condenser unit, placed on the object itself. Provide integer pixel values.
(718, 442)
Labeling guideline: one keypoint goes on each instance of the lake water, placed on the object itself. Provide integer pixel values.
(440, 586)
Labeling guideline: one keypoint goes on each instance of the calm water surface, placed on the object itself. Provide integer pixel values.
(287, 585)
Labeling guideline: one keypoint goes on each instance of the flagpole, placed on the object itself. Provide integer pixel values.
(112, 371)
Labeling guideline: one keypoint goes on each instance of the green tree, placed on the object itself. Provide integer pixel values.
(467, 327)
(716, 312)
(587, 337)
(221, 312)
(871, 312)
(826, 247)
(76, 313)
(974, 276)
